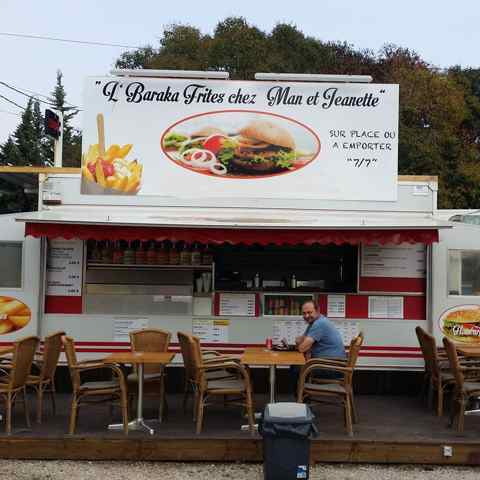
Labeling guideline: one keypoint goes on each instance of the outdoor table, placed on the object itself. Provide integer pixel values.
(139, 359)
(271, 358)
(5, 350)
(469, 350)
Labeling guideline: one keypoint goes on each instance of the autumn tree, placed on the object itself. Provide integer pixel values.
(439, 115)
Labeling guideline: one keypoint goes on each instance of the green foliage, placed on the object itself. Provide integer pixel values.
(72, 138)
(439, 117)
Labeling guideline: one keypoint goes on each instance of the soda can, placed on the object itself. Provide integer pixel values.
(268, 343)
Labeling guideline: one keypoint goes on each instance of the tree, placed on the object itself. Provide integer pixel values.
(439, 116)
(72, 138)
(28, 138)
(9, 154)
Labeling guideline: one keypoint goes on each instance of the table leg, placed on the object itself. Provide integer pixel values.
(138, 423)
(272, 383)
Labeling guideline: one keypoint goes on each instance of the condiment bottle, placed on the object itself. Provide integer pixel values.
(107, 253)
(185, 255)
(256, 281)
(151, 254)
(117, 256)
(96, 253)
(140, 254)
(207, 257)
(293, 281)
(174, 256)
(196, 255)
(129, 254)
(162, 255)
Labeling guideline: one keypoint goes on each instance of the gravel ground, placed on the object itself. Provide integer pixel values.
(53, 470)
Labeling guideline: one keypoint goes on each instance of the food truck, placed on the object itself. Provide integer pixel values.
(218, 207)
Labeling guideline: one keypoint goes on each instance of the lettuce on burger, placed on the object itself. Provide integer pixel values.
(262, 147)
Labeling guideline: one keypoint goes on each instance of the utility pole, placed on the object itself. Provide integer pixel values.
(58, 148)
(54, 128)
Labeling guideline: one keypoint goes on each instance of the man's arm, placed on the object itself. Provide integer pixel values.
(306, 344)
(299, 340)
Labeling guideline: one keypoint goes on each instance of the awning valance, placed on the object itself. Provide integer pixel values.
(263, 236)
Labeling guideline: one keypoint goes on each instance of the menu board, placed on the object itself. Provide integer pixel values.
(385, 307)
(122, 326)
(348, 330)
(64, 268)
(288, 330)
(393, 261)
(336, 306)
(237, 304)
(211, 330)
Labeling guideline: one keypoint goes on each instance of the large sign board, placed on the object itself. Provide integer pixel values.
(213, 138)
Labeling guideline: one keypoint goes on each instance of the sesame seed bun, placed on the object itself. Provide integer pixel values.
(268, 132)
(207, 131)
(464, 316)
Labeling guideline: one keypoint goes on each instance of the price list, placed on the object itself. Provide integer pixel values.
(64, 268)
(237, 304)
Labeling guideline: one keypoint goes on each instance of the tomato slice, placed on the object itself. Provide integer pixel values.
(214, 143)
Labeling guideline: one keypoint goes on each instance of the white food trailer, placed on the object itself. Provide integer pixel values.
(174, 230)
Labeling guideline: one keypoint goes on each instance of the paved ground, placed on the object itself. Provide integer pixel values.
(56, 470)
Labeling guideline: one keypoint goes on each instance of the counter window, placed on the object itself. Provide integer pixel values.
(464, 272)
(11, 262)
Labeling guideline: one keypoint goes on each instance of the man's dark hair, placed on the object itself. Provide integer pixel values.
(313, 302)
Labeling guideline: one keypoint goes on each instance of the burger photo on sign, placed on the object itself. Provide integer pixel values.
(263, 146)
(462, 323)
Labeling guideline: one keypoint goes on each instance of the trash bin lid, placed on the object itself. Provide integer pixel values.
(287, 412)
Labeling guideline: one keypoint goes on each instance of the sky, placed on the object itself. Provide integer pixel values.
(442, 33)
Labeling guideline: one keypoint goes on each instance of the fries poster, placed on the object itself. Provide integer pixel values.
(196, 138)
(14, 315)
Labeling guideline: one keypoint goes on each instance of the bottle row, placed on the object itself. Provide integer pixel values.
(151, 252)
(284, 305)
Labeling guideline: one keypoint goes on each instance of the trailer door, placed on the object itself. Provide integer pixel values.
(455, 308)
(19, 281)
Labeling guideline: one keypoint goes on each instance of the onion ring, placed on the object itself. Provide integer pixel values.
(218, 169)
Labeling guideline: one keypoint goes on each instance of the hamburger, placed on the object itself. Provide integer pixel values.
(263, 147)
(463, 325)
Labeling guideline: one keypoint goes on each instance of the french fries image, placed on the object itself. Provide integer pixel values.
(14, 315)
(112, 170)
(107, 170)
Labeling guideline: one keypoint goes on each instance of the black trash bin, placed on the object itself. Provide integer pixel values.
(286, 429)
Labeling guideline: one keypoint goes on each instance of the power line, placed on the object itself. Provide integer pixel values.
(44, 96)
(67, 40)
(11, 113)
(36, 94)
(26, 94)
(73, 107)
(12, 102)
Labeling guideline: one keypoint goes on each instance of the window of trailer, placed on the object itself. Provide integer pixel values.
(11, 264)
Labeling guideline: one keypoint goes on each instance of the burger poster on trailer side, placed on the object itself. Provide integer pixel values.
(213, 138)
(461, 323)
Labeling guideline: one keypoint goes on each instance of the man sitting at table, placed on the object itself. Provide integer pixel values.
(320, 340)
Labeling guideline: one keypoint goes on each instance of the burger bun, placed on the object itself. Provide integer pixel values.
(268, 132)
(207, 132)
